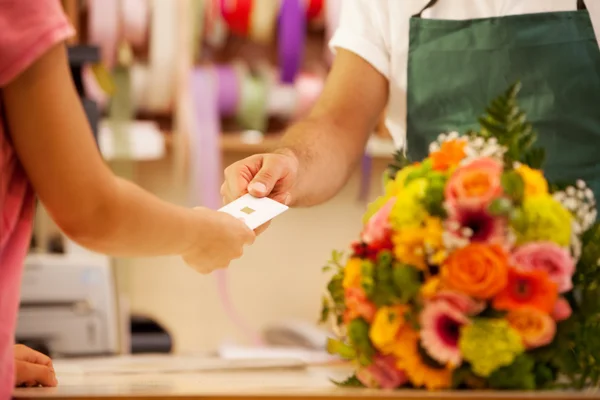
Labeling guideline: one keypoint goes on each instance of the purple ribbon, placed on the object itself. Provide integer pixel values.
(292, 32)
(206, 173)
(229, 90)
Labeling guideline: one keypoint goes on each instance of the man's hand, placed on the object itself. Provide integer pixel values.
(262, 175)
(32, 368)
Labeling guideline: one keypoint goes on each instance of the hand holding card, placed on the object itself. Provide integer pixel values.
(254, 211)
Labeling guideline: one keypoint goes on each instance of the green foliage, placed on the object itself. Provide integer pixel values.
(400, 161)
(358, 332)
(575, 351)
(513, 186)
(463, 377)
(407, 281)
(341, 349)
(333, 304)
(433, 201)
(505, 121)
(501, 207)
(385, 293)
(350, 382)
(367, 277)
(517, 376)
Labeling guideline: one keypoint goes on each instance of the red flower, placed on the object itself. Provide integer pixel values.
(527, 289)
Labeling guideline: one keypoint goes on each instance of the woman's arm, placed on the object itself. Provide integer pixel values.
(55, 144)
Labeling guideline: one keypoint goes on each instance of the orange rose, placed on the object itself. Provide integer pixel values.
(449, 155)
(536, 328)
(477, 270)
(474, 185)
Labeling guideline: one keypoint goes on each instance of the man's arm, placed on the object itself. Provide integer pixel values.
(330, 142)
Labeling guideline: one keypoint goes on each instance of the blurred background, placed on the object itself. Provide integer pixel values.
(176, 90)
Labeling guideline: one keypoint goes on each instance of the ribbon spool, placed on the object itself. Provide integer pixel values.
(228, 79)
(163, 57)
(252, 111)
(309, 87)
(206, 170)
(314, 9)
(263, 18)
(135, 15)
(292, 31)
(103, 29)
(237, 15)
(215, 28)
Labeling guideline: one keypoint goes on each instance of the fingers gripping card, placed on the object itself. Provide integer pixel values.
(254, 211)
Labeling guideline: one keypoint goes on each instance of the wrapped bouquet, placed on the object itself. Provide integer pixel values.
(472, 271)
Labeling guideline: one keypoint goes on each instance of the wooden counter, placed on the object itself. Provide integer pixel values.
(291, 383)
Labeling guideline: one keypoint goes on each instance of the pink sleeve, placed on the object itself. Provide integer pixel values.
(29, 29)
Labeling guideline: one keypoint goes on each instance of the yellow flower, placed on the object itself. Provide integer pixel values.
(385, 327)
(409, 246)
(544, 219)
(409, 210)
(433, 240)
(535, 183)
(352, 273)
(431, 287)
(417, 369)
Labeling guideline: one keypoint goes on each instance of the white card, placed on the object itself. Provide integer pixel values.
(254, 211)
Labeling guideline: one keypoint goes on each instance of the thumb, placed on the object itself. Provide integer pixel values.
(29, 373)
(263, 183)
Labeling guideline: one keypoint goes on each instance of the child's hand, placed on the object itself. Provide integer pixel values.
(220, 239)
(32, 368)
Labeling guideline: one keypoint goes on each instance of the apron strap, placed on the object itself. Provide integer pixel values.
(580, 6)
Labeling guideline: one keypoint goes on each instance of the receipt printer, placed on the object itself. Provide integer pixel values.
(68, 306)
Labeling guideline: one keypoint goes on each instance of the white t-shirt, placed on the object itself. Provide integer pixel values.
(377, 31)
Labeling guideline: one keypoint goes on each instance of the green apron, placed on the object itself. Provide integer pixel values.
(455, 68)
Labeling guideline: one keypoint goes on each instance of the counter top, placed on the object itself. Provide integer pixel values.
(293, 381)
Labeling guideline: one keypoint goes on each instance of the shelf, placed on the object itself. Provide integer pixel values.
(377, 147)
(243, 143)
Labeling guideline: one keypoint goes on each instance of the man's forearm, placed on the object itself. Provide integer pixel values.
(327, 155)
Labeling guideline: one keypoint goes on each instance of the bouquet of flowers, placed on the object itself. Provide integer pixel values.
(472, 271)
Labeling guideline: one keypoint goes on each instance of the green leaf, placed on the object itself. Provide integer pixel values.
(367, 280)
(433, 201)
(358, 332)
(507, 123)
(384, 293)
(500, 207)
(513, 186)
(517, 376)
(350, 382)
(407, 281)
(400, 161)
(325, 310)
(336, 347)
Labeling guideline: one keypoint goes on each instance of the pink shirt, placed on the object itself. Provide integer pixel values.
(28, 28)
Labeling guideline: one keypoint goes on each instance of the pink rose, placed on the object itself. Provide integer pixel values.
(378, 228)
(475, 185)
(462, 303)
(562, 310)
(547, 257)
(382, 373)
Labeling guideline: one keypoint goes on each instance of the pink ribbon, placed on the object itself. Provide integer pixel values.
(135, 15)
(206, 170)
(104, 28)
